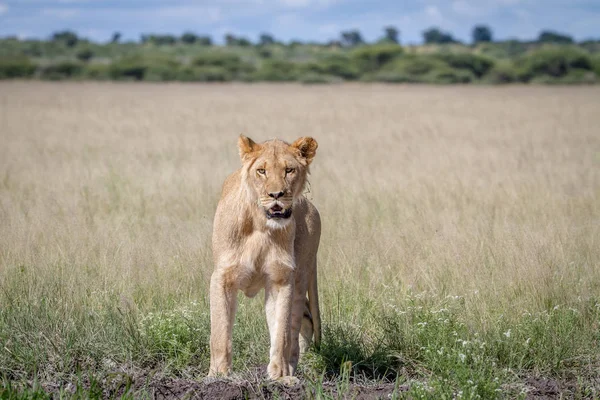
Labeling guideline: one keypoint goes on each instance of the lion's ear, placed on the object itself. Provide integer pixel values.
(247, 147)
(307, 147)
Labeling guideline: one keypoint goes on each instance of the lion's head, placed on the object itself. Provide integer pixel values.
(274, 173)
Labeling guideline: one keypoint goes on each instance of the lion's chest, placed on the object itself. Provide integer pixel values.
(260, 256)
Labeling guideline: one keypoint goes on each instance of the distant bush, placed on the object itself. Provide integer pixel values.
(421, 68)
(415, 65)
(230, 62)
(69, 38)
(161, 73)
(574, 77)
(313, 78)
(32, 49)
(477, 65)
(203, 74)
(591, 46)
(502, 73)
(338, 66)
(579, 76)
(84, 54)
(372, 58)
(17, 67)
(131, 68)
(66, 56)
(96, 71)
(506, 49)
(554, 37)
(61, 70)
(596, 65)
(449, 75)
(277, 71)
(389, 77)
(154, 68)
(554, 62)
(263, 52)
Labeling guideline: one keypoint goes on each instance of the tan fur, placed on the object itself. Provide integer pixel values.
(252, 251)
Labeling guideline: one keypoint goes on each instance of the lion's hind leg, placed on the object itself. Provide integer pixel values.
(306, 330)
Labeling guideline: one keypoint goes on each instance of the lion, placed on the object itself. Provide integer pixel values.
(266, 235)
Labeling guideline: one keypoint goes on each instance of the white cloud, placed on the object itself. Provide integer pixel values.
(507, 2)
(211, 14)
(522, 14)
(306, 3)
(296, 3)
(463, 7)
(433, 12)
(330, 29)
(3, 8)
(61, 13)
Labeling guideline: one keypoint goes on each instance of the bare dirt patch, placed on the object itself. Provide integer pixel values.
(255, 386)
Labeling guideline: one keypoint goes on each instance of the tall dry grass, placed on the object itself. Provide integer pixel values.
(107, 194)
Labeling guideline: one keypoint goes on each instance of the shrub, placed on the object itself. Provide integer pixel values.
(421, 68)
(313, 78)
(415, 66)
(507, 49)
(203, 74)
(61, 70)
(84, 54)
(579, 76)
(502, 73)
(575, 76)
(228, 61)
(277, 71)
(389, 77)
(554, 62)
(341, 67)
(554, 37)
(19, 67)
(477, 65)
(133, 68)
(96, 71)
(69, 38)
(372, 58)
(448, 75)
(596, 65)
(265, 53)
(144, 67)
(161, 73)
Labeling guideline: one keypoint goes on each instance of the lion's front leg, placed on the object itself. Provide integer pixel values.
(223, 304)
(278, 306)
(299, 310)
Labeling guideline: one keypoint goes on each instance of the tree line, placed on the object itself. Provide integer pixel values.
(349, 38)
(551, 58)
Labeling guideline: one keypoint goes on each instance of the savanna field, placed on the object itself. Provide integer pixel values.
(460, 253)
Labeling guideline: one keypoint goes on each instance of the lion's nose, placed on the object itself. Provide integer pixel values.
(275, 195)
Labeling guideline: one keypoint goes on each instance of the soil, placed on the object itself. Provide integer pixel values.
(254, 386)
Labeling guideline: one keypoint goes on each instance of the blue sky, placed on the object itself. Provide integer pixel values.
(297, 19)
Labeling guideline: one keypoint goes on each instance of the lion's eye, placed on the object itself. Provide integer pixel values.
(289, 170)
(261, 171)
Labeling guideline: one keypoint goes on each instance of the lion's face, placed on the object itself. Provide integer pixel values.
(274, 173)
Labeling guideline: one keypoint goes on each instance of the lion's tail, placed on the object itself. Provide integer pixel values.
(313, 305)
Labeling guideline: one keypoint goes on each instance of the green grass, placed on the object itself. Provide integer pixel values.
(433, 341)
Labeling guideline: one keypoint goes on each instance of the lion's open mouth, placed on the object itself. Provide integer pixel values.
(277, 212)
